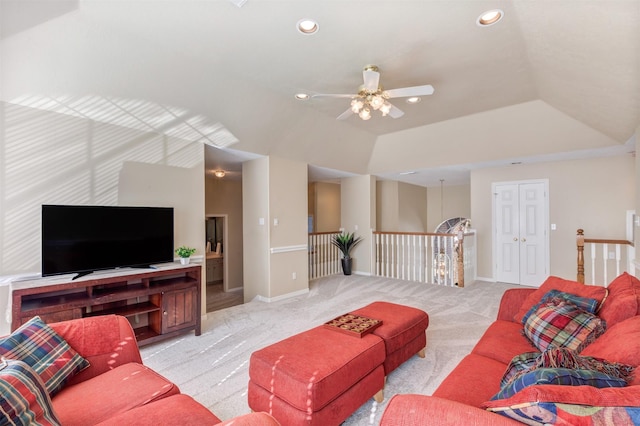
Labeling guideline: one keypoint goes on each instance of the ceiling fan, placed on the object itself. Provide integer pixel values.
(371, 96)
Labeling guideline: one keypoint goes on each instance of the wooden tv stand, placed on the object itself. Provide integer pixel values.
(159, 303)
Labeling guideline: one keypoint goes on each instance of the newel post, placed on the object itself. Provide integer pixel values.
(460, 256)
(580, 245)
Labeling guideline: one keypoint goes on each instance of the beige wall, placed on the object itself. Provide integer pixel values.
(455, 201)
(324, 206)
(412, 208)
(255, 220)
(50, 158)
(275, 252)
(592, 194)
(358, 195)
(387, 205)
(224, 197)
(400, 207)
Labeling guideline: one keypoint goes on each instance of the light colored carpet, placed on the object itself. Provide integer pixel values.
(213, 368)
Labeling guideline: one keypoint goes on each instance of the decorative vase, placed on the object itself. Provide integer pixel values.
(346, 265)
(185, 260)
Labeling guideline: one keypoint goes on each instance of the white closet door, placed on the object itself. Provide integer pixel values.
(521, 233)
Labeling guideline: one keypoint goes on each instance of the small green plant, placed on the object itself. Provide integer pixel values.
(345, 242)
(184, 251)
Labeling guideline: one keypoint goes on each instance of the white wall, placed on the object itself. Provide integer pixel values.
(592, 194)
(51, 158)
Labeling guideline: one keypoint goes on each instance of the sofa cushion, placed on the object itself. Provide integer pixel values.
(38, 345)
(562, 324)
(502, 341)
(174, 410)
(559, 376)
(474, 380)
(555, 404)
(584, 303)
(622, 301)
(25, 400)
(127, 386)
(565, 286)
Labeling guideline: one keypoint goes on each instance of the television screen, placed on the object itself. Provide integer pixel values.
(83, 239)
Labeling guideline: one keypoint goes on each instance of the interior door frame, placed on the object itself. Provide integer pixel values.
(494, 228)
(225, 258)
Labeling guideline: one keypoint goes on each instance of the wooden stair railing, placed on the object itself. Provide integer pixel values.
(580, 242)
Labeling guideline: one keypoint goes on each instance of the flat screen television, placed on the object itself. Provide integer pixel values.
(83, 239)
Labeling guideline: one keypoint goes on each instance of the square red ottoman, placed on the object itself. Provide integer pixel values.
(317, 377)
(403, 331)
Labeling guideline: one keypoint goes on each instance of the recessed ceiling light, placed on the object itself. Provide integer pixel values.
(489, 17)
(301, 96)
(413, 100)
(408, 173)
(307, 26)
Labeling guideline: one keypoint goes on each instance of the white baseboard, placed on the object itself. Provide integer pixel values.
(491, 280)
(281, 297)
(366, 274)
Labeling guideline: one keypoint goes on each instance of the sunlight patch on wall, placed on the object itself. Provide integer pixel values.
(135, 114)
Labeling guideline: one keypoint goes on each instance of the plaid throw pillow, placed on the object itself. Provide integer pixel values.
(25, 400)
(584, 303)
(561, 324)
(39, 346)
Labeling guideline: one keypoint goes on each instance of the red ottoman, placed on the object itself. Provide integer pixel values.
(403, 331)
(318, 377)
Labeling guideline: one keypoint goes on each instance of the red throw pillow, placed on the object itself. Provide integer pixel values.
(620, 343)
(565, 286)
(622, 301)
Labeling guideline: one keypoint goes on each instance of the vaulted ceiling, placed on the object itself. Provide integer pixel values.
(553, 79)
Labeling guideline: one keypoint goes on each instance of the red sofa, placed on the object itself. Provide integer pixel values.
(464, 396)
(117, 389)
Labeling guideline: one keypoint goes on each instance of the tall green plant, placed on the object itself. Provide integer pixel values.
(345, 242)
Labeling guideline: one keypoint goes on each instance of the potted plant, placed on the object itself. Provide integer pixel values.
(345, 242)
(185, 253)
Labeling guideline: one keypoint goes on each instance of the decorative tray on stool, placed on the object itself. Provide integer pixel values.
(353, 325)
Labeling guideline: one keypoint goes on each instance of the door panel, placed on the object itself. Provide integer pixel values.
(521, 233)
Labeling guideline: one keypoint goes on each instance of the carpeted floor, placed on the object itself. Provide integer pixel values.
(213, 368)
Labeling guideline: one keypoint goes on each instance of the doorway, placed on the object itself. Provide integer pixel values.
(218, 295)
(521, 240)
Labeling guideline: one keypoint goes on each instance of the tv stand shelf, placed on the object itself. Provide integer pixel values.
(159, 303)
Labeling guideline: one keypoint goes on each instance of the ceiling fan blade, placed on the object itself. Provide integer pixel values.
(404, 92)
(371, 80)
(332, 95)
(395, 112)
(348, 113)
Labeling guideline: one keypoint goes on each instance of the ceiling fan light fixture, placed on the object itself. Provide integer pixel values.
(307, 26)
(489, 17)
(356, 105)
(302, 96)
(385, 109)
(365, 114)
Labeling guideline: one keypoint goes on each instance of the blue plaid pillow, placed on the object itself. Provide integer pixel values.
(561, 324)
(39, 346)
(584, 303)
(25, 400)
(559, 376)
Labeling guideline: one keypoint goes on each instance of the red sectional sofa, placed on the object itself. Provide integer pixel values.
(464, 397)
(117, 389)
